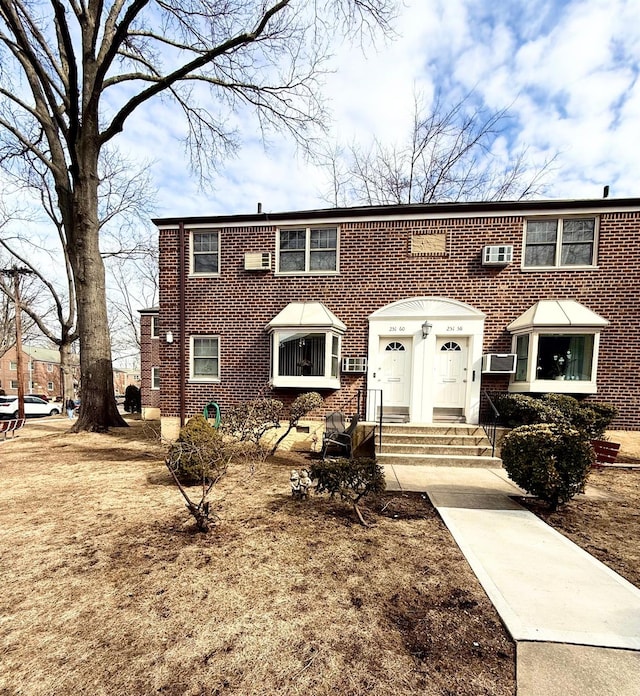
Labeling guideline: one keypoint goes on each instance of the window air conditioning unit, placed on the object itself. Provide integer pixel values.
(499, 363)
(257, 262)
(354, 364)
(497, 255)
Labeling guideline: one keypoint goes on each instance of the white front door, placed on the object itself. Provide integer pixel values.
(395, 372)
(451, 372)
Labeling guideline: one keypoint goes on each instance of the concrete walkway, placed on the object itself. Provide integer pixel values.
(576, 623)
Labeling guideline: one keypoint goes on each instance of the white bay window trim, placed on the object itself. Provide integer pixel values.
(559, 323)
(306, 341)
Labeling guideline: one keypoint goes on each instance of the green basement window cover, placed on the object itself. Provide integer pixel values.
(557, 313)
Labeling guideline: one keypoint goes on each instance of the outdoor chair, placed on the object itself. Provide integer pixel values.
(337, 437)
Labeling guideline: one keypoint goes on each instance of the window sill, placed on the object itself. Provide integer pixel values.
(554, 386)
(307, 382)
(547, 269)
(204, 275)
(203, 380)
(306, 273)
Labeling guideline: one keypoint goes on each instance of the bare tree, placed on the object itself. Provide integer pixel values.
(74, 71)
(124, 198)
(448, 156)
(134, 285)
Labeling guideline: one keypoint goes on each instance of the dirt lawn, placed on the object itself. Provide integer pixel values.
(106, 588)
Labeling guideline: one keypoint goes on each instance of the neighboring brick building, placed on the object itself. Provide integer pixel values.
(42, 372)
(150, 363)
(411, 300)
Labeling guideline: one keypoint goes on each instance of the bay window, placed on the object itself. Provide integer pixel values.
(305, 351)
(556, 343)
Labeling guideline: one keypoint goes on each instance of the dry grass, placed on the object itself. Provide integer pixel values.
(106, 589)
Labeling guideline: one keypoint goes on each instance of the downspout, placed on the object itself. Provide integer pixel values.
(181, 323)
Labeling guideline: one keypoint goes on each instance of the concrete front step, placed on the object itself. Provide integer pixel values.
(439, 444)
(440, 460)
(432, 429)
(427, 439)
(411, 448)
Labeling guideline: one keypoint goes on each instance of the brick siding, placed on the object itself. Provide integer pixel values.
(377, 268)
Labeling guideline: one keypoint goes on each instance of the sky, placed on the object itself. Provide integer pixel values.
(567, 70)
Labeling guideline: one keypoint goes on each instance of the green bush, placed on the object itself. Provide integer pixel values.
(603, 417)
(590, 417)
(351, 479)
(200, 454)
(520, 409)
(548, 460)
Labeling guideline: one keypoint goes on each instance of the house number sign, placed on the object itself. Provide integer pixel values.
(452, 329)
(397, 329)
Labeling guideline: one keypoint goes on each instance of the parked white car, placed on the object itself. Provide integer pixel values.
(34, 406)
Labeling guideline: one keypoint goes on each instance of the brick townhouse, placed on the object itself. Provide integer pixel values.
(424, 307)
(42, 372)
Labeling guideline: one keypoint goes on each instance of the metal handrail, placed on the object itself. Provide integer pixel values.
(364, 397)
(493, 425)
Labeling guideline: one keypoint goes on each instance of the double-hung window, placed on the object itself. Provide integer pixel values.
(560, 242)
(155, 333)
(155, 378)
(205, 252)
(205, 359)
(308, 250)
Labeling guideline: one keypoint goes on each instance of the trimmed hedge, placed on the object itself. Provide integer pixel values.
(590, 417)
(548, 460)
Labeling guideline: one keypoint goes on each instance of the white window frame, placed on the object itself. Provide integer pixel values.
(192, 253)
(307, 250)
(155, 378)
(49, 367)
(202, 378)
(558, 265)
(14, 384)
(325, 381)
(13, 365)
(533, 385)
(155, 327)
(50, 386)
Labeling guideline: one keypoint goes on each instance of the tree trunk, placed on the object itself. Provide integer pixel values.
(66, 368)
(98, 409)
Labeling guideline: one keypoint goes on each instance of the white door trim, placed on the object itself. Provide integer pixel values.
(448, 318)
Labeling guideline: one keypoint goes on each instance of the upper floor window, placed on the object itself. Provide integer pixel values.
(13, 365)
(155, 378)
(308, 250)
(205, 358)
(561, 242)
(154, 326)
(205, 253)
(49, 367)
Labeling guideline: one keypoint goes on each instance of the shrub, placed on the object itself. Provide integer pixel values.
(576, 414)
(548, 460)
(351, 479)
(603, 416)
(519, 409)
(199, 454)
(299, 408)
(250, 420)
